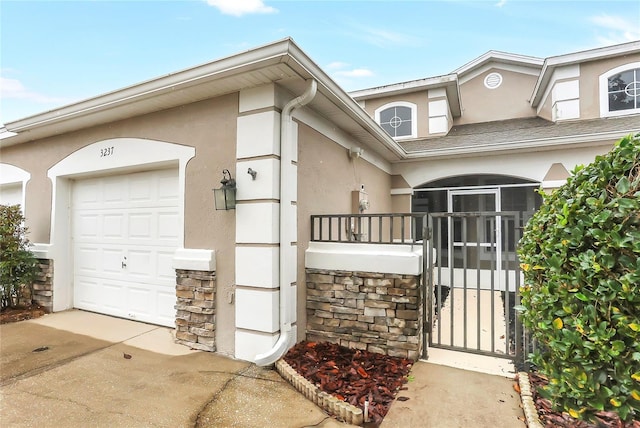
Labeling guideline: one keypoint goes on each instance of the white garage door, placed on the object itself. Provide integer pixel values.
(11, 194)
(125, 231)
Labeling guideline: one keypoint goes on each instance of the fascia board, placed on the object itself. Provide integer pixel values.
(500, 57)
(449, 82)
(551, 63)
(344, 101)
(404, 87)
(255, 58)
(509, 146)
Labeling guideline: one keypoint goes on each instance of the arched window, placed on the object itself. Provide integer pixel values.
(398, 119)
(620, 91)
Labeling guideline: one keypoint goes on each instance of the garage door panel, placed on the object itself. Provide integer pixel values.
(142, 188)
(167, 192)
(139, 298)
(141, 264)
(166, 302)
(87, 293)
(87, 260)
(113, 294)
(87, 226)
(125, 231)
(114, 226)
(112, 261)
(88, 194)
(11, 194)
(168, 225)
(114, 192)
(164, 271)
(140, 226)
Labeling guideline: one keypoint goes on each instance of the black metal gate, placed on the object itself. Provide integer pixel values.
(472, 280)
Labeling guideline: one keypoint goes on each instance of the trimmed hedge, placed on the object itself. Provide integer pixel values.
(580, 255)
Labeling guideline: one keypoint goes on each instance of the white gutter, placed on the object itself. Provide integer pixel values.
(286, 220)
(512, 146)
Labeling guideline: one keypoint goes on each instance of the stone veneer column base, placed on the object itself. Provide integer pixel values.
(43, 285)
(195, 316)
(377, 312)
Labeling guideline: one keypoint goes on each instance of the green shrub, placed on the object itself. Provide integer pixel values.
(18, 266)
(580, 255)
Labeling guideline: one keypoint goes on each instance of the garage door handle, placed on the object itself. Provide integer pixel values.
(124, 262)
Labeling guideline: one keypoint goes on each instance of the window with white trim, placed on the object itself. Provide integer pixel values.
(398, 119)
(620, 91)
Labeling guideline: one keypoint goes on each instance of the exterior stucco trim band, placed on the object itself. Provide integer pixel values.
(194, 259)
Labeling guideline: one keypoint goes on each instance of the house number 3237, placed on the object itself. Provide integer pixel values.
(107, 151)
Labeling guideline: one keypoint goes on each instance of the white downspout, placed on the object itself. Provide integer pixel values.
(286, 147)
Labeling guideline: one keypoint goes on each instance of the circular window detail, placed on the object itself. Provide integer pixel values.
(493, 80)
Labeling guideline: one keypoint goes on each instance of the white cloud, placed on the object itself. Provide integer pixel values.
(13, 88)
(383, 38)
(356, 72)
(336, 65)
(346, 75)
(241, 7)
(501, 3)
(617, 29)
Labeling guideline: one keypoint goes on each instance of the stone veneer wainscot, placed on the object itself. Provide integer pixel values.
(42, 286)
(196, 311)
(377, 312)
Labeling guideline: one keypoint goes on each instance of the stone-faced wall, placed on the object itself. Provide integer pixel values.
(196, 310)
(378, 312)
(43, 286)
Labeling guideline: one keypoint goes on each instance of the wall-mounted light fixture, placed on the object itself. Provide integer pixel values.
(252, 173)
(225, 196)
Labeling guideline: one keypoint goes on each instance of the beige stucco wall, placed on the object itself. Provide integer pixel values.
(589, 83)
(525, 165)
(326, 178)
(419, 98)
(508, 101)
(210, 127)
(546, 111)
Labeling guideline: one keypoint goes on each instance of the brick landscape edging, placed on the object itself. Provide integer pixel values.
(342, 410)
(528, 406)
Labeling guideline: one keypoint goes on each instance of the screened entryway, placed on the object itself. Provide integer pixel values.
(472, 278)
(476, 194)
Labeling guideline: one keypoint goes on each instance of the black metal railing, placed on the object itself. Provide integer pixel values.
(396, 228)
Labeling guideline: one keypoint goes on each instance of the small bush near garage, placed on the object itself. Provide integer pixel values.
(18, 266)
(580, 255)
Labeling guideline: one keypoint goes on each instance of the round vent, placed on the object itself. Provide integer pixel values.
(493, 80)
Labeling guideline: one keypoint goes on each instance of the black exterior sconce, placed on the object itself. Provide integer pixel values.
(225, 196)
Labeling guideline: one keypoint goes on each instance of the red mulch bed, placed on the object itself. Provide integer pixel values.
(553, 419)
(8, 315)
(351, 375)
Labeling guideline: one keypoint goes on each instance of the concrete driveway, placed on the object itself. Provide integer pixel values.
(78, 369)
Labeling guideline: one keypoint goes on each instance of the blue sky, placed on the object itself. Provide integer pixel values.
(54, 53)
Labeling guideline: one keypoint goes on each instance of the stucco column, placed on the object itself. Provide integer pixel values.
(257, 223)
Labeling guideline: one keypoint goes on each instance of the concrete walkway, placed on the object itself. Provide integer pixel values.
(99, 371)
(446, 397)
(78, 369)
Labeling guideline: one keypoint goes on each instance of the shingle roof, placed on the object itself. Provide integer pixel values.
(519, 131)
